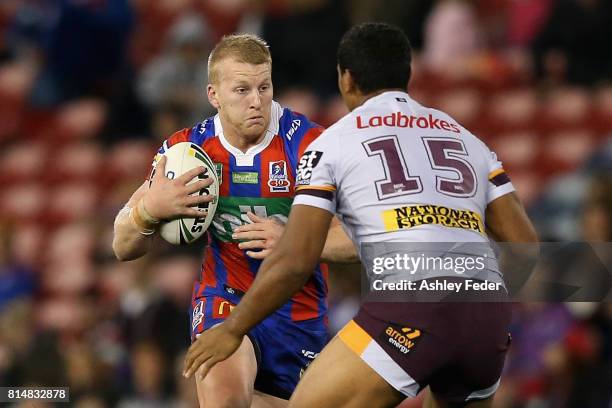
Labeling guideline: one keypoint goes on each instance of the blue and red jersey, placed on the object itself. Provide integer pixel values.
(260, 181)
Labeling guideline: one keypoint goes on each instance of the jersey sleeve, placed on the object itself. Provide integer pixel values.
(310, 136)
(183, 135)
(297, 132)
(316, 174)
(197, 134)
(499, 183)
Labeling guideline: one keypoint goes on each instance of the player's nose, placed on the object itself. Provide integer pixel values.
(256, 99)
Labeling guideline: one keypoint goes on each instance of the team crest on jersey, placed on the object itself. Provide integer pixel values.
(278, 180)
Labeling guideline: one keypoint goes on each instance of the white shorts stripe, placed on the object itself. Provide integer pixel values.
(389, 370)
(484, 393)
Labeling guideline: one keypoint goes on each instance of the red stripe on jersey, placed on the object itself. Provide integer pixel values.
(275, 152)
(239, 275)
(218, 154)
(178, 137)
(308, 138)
(209, 278)
(305, 303)
(325, 272)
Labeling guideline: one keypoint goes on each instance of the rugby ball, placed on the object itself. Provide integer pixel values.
(180, 158)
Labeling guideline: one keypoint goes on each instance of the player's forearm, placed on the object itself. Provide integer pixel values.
(508, 223)
(130, 239)
(128, 242)
(339, 248)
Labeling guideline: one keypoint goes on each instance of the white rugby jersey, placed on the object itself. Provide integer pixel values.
(396, 171)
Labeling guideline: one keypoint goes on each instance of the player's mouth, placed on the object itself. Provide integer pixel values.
(255, 120)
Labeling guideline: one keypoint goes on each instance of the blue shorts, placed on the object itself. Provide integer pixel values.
(283, 348)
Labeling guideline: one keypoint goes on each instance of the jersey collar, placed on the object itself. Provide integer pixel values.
(387, 95)
(247, 158)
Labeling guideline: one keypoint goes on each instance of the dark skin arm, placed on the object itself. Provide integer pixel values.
(282, 274)
(507, 222)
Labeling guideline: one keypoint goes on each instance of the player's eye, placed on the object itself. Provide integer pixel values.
(240, 90)
(264, 88)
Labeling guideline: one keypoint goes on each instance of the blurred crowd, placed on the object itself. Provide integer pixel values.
(90, 88)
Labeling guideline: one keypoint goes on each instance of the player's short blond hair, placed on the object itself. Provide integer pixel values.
(247, 48)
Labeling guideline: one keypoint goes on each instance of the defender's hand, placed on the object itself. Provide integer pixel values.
(212, 346)
(167, 199)
(263, 233)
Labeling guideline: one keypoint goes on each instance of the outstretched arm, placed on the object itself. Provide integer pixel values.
(283, 273)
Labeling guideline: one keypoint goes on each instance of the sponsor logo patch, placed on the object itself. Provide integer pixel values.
(197, 314)
(402, 338)
(398, 119)
(308, 162)
(233, 291)
(219, 170)
(309, 354)
(201, 128)
(246, 177)
(295, 124)
(411, 216)
(221, 308)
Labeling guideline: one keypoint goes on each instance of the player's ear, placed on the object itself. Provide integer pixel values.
(212, 96)
(345, 81)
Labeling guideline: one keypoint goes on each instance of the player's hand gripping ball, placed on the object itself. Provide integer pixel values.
(180, 159)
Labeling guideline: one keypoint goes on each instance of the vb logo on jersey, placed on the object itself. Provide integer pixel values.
(308, 162)
(278, 180)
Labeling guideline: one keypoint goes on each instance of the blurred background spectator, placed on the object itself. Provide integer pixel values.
(82, 46)
(89, 88)
(575, 55)
(173, 85)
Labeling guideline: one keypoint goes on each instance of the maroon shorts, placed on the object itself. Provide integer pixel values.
(458, 349)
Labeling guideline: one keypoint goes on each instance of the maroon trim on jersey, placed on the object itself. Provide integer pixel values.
(500, 179)
(328, 195)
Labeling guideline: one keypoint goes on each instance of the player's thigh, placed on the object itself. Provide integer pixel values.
(263, 400)
(431, 401)
(340, 378)
(230, 382)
